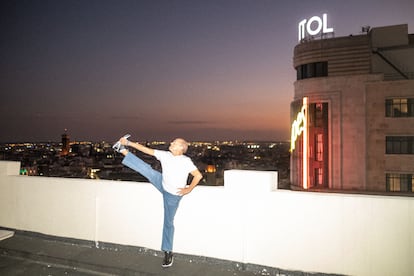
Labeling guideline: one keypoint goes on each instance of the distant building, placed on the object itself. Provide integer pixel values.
(32, 170)
(210, 175)
(353, 112)
(65, 144)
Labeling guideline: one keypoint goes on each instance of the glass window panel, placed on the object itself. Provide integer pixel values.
(399, 107)
(412, 183)
(312, 70)
(404, 107)
(319, 147)
(404, 145)
(388, 108)
(399, 182)
(388, 147)
(395, 183)
(404, 182)
(410, 106)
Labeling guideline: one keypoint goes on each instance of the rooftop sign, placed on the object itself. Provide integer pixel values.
(313, 26)
(300, 127)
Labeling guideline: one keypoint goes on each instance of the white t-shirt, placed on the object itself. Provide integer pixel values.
(175, 170)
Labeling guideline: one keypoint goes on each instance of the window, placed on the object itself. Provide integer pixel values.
(319, 147)
(312, 70)
(319, 114)
(399, 107)
(399, 145)
(399, 182)
(319, 176)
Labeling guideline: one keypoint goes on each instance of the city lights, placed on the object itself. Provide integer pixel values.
(97, 160)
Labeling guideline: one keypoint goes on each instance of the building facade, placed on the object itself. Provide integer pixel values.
(353, 112)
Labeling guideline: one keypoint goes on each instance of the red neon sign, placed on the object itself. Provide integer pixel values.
(299, 126)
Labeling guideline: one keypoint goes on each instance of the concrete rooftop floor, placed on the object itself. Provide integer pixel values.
(26, 253)
(35, 254)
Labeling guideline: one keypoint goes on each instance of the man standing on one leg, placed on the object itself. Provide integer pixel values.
(172, 182)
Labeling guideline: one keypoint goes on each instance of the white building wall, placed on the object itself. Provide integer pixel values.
(347, 125)
(379, 126)
(301, 231)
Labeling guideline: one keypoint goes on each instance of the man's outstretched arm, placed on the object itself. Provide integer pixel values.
(137, 146)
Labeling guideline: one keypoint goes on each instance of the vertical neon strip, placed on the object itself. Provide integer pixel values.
(305, 144)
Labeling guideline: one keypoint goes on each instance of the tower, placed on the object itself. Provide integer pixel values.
(65, 144)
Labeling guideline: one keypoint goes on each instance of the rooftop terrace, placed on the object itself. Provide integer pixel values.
(248, 227)
(33, 254)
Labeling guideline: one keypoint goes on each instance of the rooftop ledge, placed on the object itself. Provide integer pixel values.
(247, 221)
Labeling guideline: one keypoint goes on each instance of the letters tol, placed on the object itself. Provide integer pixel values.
(313, 26)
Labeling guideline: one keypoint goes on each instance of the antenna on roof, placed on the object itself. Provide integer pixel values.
(365, 29)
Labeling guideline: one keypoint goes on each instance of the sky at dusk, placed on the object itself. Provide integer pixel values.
(158, 69)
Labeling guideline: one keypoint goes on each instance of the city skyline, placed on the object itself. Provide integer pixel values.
(203, 70)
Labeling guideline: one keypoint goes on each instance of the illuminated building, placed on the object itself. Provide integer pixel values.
(210, 175)
(353, 112)
(65, 144)
(32, 170)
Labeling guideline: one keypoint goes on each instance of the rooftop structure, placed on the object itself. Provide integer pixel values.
(353, 112)
(248, 225)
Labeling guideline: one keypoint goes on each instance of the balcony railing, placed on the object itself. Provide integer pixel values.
(248, 221)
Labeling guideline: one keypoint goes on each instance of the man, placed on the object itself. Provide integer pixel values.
(172, 182)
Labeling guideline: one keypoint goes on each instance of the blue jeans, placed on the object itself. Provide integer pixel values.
(171, 201)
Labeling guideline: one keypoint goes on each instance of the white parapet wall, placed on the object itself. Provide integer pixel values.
(249, 182)
(246, 221)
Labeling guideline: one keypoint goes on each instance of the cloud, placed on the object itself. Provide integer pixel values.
(125, 117)
(188, 122)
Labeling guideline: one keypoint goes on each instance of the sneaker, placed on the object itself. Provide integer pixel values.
(118, 147)
(168, 259)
